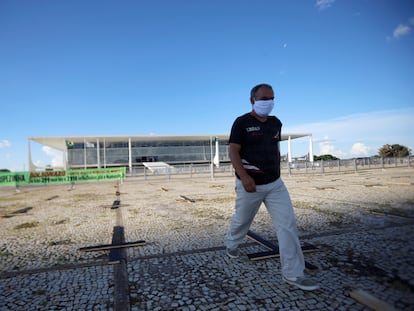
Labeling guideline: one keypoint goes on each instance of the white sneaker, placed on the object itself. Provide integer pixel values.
(234, 253)
(303, 283)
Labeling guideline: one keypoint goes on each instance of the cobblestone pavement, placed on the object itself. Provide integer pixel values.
(207, 279)
(364, 240)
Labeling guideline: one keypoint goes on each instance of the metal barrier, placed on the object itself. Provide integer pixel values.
(347, 165)
(183, 170)
(293, 168)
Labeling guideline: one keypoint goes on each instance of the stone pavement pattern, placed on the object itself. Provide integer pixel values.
(362, 224)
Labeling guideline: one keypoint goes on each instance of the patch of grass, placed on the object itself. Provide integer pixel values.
(27, 225)
(219, 200)
(84, 196)
(5, 254)
(8, 199)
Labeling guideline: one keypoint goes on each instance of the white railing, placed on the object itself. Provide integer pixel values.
(293, 168)
(347, 165)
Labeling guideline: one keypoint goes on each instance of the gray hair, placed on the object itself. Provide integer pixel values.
(257, 87)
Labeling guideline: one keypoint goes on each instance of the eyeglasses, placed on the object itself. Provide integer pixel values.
(265, 98)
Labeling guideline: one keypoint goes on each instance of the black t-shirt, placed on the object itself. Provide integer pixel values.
(259, 146)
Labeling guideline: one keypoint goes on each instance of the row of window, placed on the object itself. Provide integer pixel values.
(121, 155)
(140, 144)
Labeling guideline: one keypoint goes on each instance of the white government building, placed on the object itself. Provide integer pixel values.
(132, 151)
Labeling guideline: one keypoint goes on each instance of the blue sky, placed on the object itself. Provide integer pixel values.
(341, 69)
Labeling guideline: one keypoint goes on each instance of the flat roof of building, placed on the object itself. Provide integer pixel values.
(59, 142)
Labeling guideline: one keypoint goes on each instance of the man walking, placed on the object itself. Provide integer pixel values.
(255, 156)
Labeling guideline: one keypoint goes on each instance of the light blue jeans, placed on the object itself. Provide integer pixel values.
(276, 198)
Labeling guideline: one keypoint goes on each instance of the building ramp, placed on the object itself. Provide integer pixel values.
(158, 167)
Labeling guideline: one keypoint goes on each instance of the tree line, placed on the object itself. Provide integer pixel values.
(386, 151)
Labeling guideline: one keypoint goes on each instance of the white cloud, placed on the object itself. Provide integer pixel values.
(401, 30)
(343, 136)
(359, 149)
(327, 147)
(5, 144)
(324, 4)
(56, 157)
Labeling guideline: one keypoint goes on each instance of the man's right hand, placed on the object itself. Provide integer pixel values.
(248, 183)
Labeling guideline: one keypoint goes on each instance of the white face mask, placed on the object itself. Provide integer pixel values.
(263, 107)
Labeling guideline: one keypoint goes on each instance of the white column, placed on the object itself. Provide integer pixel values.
(310, 149)
(289, 150)
(65, 157)
(32, 167)
(84, 152)
(217, 155)
(129, 155)
(211, 158)
(98, 156)
(104, 150)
